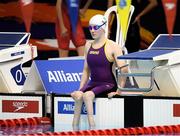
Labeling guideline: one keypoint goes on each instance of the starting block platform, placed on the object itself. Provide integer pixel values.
(14, 51)
(156, 69)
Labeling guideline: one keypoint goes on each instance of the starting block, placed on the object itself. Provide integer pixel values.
(14, 51)
(156, 69)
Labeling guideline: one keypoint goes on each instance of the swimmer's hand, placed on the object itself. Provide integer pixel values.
(110, 95)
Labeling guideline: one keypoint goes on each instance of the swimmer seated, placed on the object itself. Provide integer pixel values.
(99, 58)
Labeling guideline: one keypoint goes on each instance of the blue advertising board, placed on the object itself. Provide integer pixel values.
(60, 76)
(67, 107)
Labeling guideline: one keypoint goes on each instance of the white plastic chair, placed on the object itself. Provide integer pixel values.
(119, 36)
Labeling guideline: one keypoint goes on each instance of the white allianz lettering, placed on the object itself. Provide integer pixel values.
(61, 76)
(57, 77)
(68, 107)
(76, 76)
(69, 77)
(51, 76)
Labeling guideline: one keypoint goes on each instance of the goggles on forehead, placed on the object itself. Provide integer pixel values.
(96, 27)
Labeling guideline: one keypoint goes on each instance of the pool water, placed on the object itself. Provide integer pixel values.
(25, 130)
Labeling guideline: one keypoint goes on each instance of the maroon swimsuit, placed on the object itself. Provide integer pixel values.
(102, 78)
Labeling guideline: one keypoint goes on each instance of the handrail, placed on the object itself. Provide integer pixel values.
(135, 89)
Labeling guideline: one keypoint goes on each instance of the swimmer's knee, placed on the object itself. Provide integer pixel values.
(89, 95)
(77, 95)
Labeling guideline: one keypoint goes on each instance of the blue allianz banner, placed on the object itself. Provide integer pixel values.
(60, 76)
(67, 107)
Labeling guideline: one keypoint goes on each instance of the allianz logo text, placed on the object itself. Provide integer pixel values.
(61, 76)
(67, 107)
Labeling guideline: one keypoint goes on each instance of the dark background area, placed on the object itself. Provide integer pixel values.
(154, 22)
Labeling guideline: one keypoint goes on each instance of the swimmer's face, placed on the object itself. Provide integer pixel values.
(96, 30)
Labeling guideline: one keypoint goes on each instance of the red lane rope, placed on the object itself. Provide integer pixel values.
(24, 122)
(152, 130)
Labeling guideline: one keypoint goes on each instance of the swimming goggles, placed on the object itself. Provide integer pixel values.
(96, 27)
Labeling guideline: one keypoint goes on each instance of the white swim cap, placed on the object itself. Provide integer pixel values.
(98, 20)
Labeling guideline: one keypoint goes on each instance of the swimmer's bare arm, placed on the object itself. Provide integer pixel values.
(120, 63)
(86, 70)
(116, 50)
